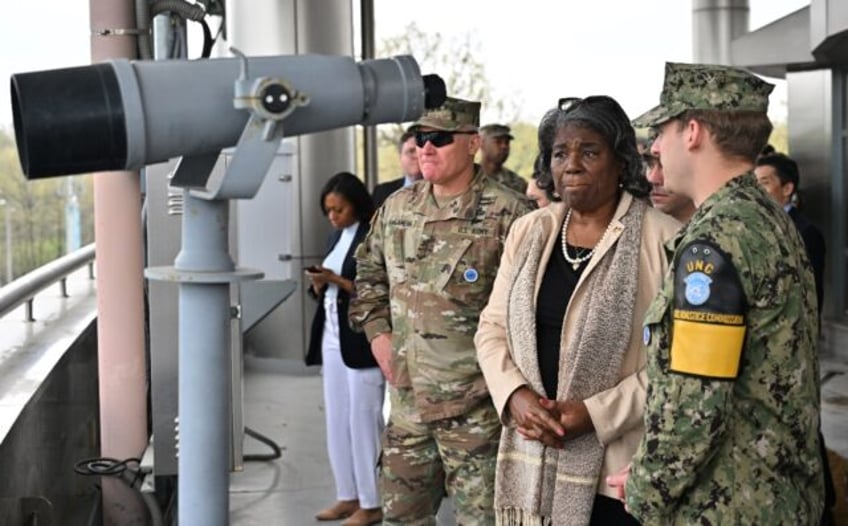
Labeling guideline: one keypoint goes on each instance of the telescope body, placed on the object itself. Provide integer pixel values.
(122, 115)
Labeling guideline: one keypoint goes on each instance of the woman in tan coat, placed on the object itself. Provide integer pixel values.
(560, 341)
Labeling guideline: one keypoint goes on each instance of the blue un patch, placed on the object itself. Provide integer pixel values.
(471, 275)
(697, 288)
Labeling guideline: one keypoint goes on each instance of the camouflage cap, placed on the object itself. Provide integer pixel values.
(453, 115)
(496, 130)
(706, 87)
(644, 138)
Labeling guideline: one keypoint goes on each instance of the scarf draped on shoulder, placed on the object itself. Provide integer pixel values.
(537, 485)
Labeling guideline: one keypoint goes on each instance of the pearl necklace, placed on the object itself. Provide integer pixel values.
(578, 260)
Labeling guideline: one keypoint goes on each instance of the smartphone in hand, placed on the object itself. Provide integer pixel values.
(313, 269)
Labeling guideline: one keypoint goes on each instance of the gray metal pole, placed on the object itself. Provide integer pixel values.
(204, 370)
(369, 133)
(9, 269)
(715, 23)
(204, 271)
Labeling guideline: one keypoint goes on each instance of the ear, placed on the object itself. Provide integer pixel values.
(694, 134)
(786, 190)
(474, 144)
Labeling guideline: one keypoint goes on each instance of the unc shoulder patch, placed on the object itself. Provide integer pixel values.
(708, 317)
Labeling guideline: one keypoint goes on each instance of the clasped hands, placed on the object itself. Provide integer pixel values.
(550, 422)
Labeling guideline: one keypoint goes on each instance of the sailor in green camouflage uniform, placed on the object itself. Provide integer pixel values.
(733, 395)
(425, 272)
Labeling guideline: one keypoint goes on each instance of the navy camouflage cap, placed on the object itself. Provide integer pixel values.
(496, 130)
(706, 87)
(453, 115)
(644, 138)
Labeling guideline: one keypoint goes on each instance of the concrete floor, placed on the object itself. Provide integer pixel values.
(834, 399)
(284, 401)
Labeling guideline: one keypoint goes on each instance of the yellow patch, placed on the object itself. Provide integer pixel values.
(706, 349)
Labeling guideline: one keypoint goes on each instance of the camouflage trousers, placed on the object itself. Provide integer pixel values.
(421, 460)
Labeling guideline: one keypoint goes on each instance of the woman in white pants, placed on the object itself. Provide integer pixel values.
(353, 384)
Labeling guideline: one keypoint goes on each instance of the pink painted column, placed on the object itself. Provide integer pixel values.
(120, 303)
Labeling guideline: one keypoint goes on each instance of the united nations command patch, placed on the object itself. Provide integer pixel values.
(709, 314)
(697, 288)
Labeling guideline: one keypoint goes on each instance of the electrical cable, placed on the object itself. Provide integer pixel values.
(132, 477)
(265, 440)
(208, 41)
(187, 11)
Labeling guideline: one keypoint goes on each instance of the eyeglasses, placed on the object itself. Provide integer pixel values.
(438, 138)
(569, 103)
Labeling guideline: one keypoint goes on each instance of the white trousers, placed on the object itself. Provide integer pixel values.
(353, 401)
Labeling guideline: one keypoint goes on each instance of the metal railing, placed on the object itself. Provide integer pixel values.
(23, 289)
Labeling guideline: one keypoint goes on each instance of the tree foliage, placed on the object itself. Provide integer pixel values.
(36, 213)
(779, 137)
(455, 60)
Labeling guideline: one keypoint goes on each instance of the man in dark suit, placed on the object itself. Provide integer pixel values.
(778, 175)
(408, 166)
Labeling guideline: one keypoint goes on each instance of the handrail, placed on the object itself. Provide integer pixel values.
(24, 288)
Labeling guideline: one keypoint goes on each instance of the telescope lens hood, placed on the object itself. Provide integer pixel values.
(69, 121)
(435, 91)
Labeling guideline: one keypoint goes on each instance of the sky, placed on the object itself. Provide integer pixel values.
(534, 51)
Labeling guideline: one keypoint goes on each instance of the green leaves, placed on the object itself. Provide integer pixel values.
(35, 211)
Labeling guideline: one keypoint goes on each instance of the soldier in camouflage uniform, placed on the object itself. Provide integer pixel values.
(494, 151)
(733, 397)
(425, 272)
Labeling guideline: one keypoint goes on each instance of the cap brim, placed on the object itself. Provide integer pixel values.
(653, 117)
(440, 125)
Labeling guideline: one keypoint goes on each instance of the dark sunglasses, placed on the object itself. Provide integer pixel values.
(438, 138)
(565, 103)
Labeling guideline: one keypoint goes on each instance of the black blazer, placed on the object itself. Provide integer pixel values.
(814, 243)
(815, 248)
(356, 351)
(384, 190)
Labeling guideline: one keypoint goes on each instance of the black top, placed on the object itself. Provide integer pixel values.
(384, 190)
(814, 245)
(558, 285)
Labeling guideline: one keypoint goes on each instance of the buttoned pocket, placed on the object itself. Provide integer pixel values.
(470, 270)
(395, 256)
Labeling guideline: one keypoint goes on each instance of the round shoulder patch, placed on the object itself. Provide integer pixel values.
(697, 288)
(471, 275)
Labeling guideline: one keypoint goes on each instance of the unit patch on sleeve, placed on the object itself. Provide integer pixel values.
(708, 333)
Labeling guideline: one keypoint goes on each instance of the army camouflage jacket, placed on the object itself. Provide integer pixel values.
(424, 273)
(733, 389)
(510, 179)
